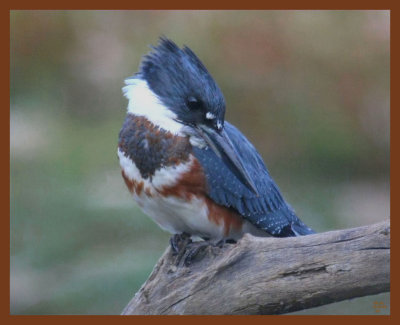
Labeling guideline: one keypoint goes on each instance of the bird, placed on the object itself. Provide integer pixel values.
(192, 172)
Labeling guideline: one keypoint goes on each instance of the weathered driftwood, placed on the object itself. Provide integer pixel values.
(270, 275)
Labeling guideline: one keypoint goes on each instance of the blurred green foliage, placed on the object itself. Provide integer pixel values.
(309, 88)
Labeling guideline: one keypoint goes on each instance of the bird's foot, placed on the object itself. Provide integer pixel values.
(222, 242)
(179, 242)
(187, 251)
(195, 251)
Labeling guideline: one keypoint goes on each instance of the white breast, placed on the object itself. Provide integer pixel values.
(171, 213)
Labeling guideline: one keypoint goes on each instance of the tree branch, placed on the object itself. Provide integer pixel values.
(270, 275)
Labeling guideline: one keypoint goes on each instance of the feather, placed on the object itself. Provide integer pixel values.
(268, 210)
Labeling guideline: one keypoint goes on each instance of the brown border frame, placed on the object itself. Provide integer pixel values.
(179, 4)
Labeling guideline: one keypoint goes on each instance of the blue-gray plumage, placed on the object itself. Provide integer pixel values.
(267, 210)
(187, 167)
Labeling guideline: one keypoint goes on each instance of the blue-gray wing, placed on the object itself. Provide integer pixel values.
(268, 210)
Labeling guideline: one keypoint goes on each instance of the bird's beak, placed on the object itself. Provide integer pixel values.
(220, 143)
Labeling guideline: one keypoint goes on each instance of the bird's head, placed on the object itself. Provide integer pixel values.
(177, 80)
(174, 90)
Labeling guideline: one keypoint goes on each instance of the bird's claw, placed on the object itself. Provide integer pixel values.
(179, 242)
(222, 242)
(188, 251)
(194, 251)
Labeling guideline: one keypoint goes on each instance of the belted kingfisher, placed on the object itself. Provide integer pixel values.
(190, 170)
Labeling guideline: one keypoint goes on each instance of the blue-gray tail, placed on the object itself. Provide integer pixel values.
(296, 228)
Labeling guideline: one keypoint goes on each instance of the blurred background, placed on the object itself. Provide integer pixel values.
(309, 88)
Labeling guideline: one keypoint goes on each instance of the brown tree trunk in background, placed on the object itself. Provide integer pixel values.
(270, 275)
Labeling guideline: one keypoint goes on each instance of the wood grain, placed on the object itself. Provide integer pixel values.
(270, 275)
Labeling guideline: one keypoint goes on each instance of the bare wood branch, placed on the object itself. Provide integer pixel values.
(271, 275)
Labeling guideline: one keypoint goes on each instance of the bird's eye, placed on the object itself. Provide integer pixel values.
(193, 103)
